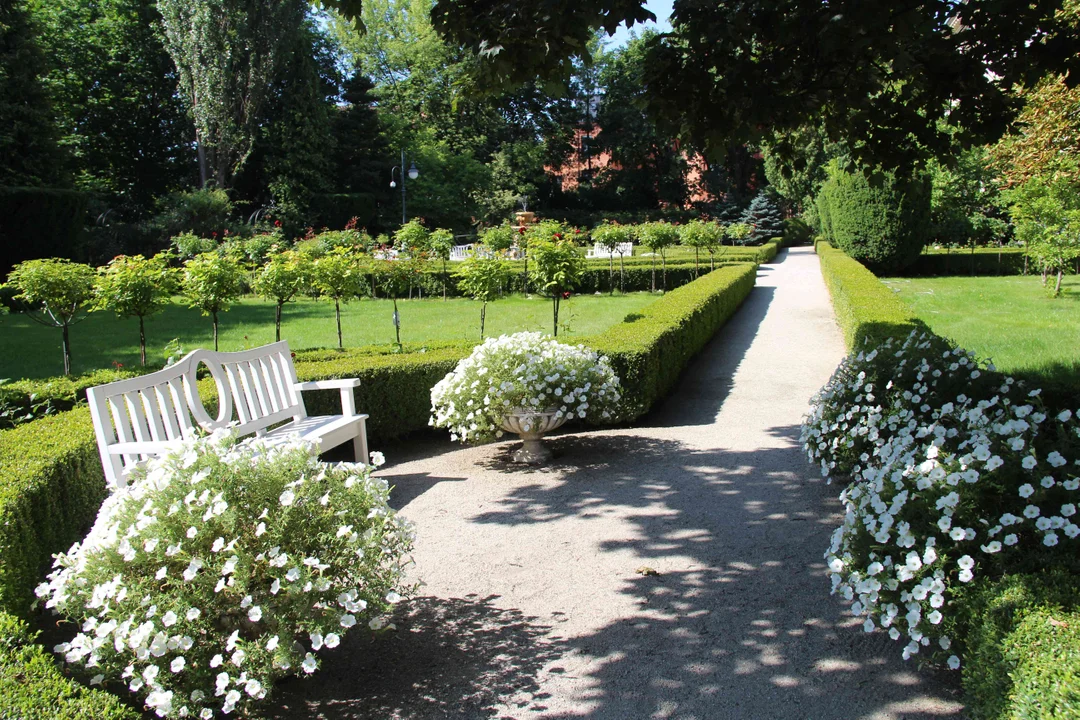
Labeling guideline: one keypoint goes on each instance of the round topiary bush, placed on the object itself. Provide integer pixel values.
(225, 566)
(883, 222)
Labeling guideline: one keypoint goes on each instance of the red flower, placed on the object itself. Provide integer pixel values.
(521, 230)
(213, 235)
(277, 223)
(566, 295)
(558, 236)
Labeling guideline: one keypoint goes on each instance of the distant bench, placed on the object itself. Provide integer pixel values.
(145, 416)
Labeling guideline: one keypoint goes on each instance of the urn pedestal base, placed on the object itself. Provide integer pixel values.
(532, 426)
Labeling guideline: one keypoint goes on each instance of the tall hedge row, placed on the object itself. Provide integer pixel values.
(883, 222)
(39, 222)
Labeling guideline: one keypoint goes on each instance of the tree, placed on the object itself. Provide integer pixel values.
(360, 159)
(282, 279)
(610, 236)
(482, 277)
(113, 87)
(212, 282)
(1047, 140)
(879, 75)
(1047, 217)
(557, 271)
(439, 244)
(338, 276)
(700, 235)
(227, 53)
(29, 153)
(135, 286)
(764, 217)
(545, 230)
(658, 237)
(739, 233)
(59, 290)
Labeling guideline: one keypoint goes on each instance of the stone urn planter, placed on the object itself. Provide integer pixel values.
(532, 425)
(525, 218)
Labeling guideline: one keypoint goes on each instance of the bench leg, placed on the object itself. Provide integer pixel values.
(360, 448)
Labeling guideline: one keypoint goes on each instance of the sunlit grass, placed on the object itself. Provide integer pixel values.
(30, 350)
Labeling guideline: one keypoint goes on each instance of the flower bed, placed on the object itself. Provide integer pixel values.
(224, 566)
(522, 371)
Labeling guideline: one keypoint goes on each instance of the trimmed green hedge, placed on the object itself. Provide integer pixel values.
(52, 485)
(1021, 647)
(33, 688)
(650, 351)
(58, 394)
(866, 310)
(984, 261)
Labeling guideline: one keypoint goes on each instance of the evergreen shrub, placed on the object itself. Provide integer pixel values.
(766, 219)
(884, 225)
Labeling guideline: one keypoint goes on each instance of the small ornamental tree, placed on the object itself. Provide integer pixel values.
(739, 233)
(212, 282)
(281, 279)
(397, 278)
(1047, 218)
(557, 270)
(546, 230)
(658, 237)
(765, 218)
(338, 276)
(439, 244)
(134, 286)
(499, 238)
(700, 235)
(612, 235)
(58, 290)
(411, 238)
(482, 277)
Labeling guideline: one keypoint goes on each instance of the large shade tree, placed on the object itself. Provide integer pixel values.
(883, 76)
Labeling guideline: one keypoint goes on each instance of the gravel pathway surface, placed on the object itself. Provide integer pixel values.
(670, 570)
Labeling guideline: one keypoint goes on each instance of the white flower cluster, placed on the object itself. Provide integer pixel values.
(522, 371)
(224, 566)
(954, 470)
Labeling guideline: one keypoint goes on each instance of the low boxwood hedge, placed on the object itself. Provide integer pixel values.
(1021, 647)
(866, 310)
(33, 688)
(53, 395)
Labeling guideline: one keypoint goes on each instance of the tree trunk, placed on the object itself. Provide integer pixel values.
(712, 261)
(483, 314)
(214, 316)
(526, 256)
(697, 264)
(611, 272)
(277, 323)
(204, 170)
(555, 307)
(397, 324)
(663, 261)
(1057, 285)
(337, 314)
(622, 275)
(67, 350)
(142, 342)
(654, 272)
(444, 289)
(972, 269)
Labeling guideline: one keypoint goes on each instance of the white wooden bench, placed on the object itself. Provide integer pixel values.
(599, 250)
(141, 417)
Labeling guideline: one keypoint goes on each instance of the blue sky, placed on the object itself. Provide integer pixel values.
(660, 8)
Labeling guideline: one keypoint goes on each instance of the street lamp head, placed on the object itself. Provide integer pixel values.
(393, 183)
(413, 172)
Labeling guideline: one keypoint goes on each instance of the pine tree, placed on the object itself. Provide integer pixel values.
(29, 153)
(766, 219)
(361, 147)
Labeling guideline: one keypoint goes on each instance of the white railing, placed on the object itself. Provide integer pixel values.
(604, 251)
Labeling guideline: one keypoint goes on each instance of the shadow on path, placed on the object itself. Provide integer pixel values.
(449, 657)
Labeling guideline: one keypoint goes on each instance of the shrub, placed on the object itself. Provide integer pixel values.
(883, 224)
(796, 232)
(31, 686)
(866, 310)
(39, 222)
(1020, 635)
(482, 277)
(135, 287)
(557, 271)
(765, 218)
(955, 471)
(212, 282)
(205, 213)
(222, 567)
(187, 245)
(522, 371)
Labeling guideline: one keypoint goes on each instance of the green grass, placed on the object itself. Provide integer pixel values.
(1008, 320)
(29, 350)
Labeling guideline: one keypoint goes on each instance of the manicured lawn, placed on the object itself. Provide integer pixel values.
(32, 351)
(1006, 319)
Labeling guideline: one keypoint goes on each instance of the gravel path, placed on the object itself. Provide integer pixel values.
(671, 570)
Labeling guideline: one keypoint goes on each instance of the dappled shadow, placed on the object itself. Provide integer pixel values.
(406, 488)
(448, 657)
(733, 617)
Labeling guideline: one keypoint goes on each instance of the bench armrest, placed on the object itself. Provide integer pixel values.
(345, 385)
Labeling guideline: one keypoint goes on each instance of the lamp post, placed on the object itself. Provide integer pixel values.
(413, 173)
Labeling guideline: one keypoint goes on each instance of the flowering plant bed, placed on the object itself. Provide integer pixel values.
(955, 472)
(522, 372)
(224, 566)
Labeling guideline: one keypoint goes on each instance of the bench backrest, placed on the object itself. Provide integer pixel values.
(256, 389)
